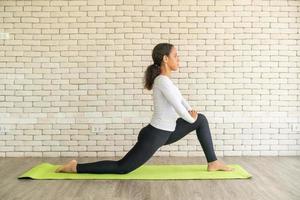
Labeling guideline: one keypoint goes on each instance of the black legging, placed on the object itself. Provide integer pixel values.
(150, 139)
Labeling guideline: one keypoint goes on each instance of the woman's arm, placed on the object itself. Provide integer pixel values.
(185, 104)
(176, 101)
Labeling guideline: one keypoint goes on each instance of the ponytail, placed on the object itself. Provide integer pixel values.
(150, 74)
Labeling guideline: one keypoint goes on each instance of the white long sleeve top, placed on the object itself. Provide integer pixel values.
(168, 104)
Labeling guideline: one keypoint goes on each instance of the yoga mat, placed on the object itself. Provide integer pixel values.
(152, 172)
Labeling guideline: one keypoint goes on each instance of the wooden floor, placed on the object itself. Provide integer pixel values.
(275, 178)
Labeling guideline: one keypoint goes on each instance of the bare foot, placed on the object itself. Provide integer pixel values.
(69, 167)
(218, 166)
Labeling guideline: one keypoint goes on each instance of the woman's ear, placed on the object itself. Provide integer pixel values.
(165, 58)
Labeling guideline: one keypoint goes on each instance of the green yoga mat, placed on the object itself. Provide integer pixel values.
(152, 172)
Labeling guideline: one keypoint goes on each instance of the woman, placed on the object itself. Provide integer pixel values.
(165, 127)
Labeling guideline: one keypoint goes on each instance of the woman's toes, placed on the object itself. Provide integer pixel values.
(226, 168)
(58, 169)
(219, 166)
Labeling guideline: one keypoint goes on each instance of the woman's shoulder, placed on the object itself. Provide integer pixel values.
(163, 81)
(162, 78)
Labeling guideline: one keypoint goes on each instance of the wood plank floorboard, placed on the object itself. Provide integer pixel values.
(275, 178)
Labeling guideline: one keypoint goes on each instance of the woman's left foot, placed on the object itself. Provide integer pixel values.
(69, 167)
(218, 166)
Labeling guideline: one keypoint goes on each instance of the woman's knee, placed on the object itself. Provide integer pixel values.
(124, 168)
(202, 118)
(124, 171)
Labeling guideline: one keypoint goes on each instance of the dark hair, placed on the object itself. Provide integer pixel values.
(153, 70)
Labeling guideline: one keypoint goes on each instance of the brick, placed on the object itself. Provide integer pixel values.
(69, 64)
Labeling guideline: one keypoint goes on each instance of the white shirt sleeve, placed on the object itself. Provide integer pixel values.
(185, 104)
(175, 100)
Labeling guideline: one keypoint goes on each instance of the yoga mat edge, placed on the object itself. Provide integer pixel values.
(145, 172)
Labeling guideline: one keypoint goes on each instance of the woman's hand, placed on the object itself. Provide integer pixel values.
(193, 113)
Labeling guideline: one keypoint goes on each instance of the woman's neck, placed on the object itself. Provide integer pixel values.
(166, 71)
(168, 75)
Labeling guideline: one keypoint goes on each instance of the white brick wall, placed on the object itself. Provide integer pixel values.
(71, 65)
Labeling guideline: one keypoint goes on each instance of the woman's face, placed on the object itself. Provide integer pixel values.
(172, 60)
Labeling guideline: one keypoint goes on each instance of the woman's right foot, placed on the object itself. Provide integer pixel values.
(218, 166)
(69, 167)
